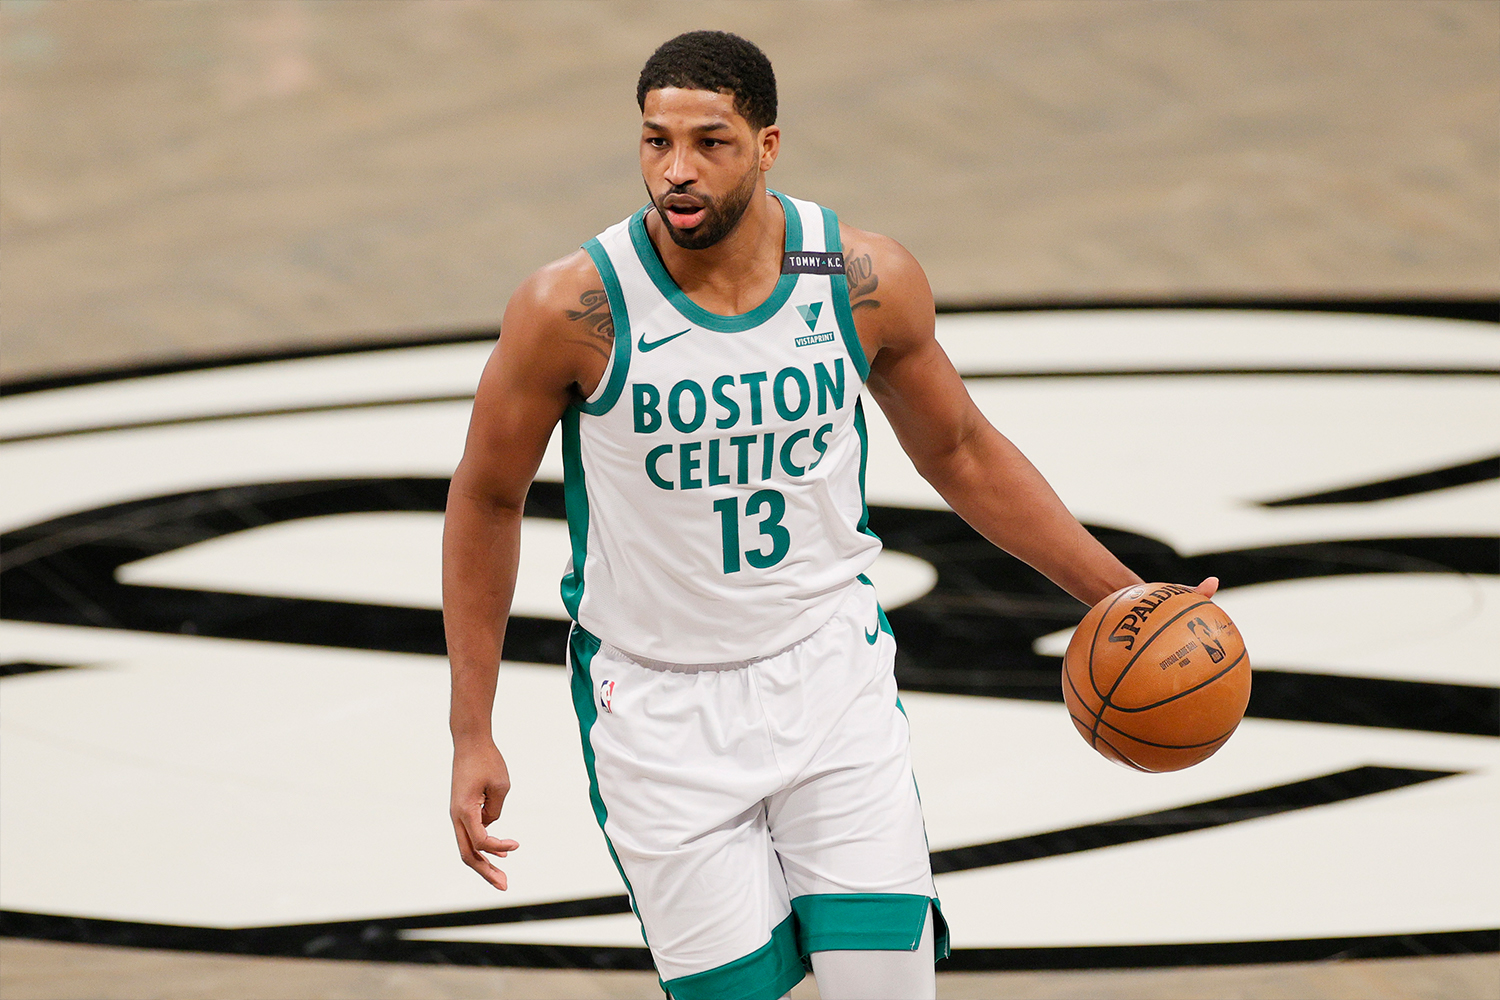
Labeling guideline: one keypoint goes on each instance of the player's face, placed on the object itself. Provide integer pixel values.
(702, 162)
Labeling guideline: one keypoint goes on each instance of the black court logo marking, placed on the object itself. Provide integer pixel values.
(972, 634)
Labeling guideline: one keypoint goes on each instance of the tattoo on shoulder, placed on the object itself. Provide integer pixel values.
(593, 327)
(863, 281)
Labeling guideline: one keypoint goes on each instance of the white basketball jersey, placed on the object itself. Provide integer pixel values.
(715, 479)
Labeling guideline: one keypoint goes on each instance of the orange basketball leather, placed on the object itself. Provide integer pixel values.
(1156, 677)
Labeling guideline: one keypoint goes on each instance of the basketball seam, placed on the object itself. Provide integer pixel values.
(1174, 746)
(1129, 736)
(1093, 643)
(1095, 715)
(1159, 629)
(1123, 758)
(1107, 703)
(1181, 694)
(1105, 697)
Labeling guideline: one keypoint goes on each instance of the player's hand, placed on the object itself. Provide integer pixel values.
(1208, 587)
(480, 784)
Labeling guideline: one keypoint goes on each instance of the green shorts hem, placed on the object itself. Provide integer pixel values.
(765, 974)
(867, 921)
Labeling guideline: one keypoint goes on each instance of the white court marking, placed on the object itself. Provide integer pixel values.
(238, 783)
(396, 558)
(1067, 340)
(1404, 626)
(228, 775)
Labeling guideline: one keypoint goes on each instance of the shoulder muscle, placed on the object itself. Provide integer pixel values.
(888, 293)
(554, 345)
(557, 332)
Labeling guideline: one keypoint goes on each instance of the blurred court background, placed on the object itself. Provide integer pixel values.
(187, 178)
(191, 179)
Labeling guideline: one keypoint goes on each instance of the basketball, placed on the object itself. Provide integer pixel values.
(1156, 677)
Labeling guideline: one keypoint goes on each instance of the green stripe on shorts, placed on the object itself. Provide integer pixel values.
(767, 973)
(582, 645)
(866, 921)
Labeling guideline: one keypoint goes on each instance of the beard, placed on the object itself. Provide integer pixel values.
(720, 215)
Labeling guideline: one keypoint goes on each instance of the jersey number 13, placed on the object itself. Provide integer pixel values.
(771, 527)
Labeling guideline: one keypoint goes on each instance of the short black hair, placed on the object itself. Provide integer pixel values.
(717, 61)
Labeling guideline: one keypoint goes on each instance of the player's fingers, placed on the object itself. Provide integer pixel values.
(494, 876)
(493, 845)
(478, 838)
(471, 857)
(1208, 587)
(494, 798)
(472, 827)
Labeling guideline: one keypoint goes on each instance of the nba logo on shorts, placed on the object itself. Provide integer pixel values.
(606, 692)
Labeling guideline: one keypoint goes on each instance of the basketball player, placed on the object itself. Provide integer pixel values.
(730, 666)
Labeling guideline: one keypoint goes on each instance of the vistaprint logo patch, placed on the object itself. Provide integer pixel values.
(809, 315)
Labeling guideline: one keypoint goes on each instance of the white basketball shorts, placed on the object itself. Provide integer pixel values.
(759, 811)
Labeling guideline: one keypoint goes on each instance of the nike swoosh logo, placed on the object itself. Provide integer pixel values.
(870, 637)
(651, 345)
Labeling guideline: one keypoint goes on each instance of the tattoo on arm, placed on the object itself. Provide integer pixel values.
(863, 281)
(595, 326)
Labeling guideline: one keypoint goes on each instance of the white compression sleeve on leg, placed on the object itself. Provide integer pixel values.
(878, 975)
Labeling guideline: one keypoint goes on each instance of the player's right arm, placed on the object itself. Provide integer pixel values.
(554, 343)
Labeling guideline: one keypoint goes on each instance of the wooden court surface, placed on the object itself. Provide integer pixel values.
(46, 971)
(191, 179)
(188, 178)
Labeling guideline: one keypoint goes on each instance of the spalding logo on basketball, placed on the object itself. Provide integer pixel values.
(1156, 677)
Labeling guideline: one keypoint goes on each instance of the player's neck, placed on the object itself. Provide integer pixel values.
(740, 271)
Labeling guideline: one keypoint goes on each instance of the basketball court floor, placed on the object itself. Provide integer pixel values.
(1227, 273)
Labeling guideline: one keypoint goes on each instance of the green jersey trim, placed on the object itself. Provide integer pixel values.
(766, 973)
(867, 921)
(882, 623)
(696, 314)
(620, 317)
(582, 645)
(842, 311)
(576, 504)
(864, 460)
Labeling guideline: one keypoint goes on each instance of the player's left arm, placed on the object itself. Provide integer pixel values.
(975, 468)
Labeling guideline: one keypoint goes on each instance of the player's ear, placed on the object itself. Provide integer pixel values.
(770, 146)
